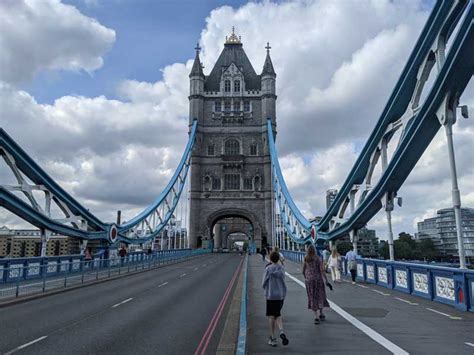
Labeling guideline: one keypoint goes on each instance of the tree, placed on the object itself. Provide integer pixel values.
(343, 247)
(427, 250)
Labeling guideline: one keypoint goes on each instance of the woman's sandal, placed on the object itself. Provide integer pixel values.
(316, 321)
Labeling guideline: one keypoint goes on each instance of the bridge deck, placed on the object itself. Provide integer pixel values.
(410, 323)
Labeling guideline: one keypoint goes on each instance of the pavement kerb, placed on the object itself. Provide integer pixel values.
(230, 334)
(87, 284)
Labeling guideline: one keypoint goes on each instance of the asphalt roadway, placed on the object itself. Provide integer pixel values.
(175, 309)
(363, 319)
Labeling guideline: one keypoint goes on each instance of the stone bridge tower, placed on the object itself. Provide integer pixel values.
(230, 170)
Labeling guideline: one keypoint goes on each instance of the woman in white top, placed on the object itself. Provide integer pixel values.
(334, 265)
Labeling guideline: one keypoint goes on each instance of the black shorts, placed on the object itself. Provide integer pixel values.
(274, 307)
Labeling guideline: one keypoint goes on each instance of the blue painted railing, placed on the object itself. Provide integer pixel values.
(19, 269)
(447, 285)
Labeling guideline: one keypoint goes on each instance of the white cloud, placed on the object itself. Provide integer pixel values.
(336, 62)
(48, 35)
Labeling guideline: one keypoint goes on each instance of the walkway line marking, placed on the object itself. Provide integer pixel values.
(202, 347)
(25, 345)
(443, 314)
(406, 301)
(387, 344)
(382, 293)
(346, 281)
(164, 283)
(362, 286)
(182, 275)
(118, 304)
(196, 268)
(470, 344)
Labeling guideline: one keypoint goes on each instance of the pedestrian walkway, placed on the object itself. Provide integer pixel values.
(364, 319)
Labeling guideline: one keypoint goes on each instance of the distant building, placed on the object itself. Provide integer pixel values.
(330, 197)
(442, 230)
(18, 243)
(367, 243)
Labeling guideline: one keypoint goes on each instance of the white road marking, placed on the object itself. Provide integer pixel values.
(25, 345)
(443, 314)
(163, 284)
(470, 344)
(362, 286)
(182, 275)
(406, 301)
(382, 293)
(196, 268)
(346, 281)
(387, 344)
(118, 304)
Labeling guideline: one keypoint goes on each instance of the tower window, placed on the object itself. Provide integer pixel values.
(216, 183)
(232, 181)
(217, 106)
(248, 183)
(232, 147)
(227, 106)
(211, 149)
(227, 85)
(236, 105)
(253, 149)
(247, 106)
(237, 86)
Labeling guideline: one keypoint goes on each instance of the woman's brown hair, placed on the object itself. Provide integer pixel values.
(310, 254)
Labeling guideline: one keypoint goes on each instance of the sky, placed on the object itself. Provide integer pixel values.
(88, 88)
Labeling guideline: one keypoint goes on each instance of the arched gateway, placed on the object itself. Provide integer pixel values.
(230, 169)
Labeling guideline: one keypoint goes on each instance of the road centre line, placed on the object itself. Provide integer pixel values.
(382, 293)
(470, 344)
(125, 301)
(443, 314)
(406, 301)
(163, 284)
(182, 275)
(26, 345)
(387, 344)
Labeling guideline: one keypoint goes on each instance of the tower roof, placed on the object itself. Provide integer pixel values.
(268, 65)
(197, 67)
(233, 52)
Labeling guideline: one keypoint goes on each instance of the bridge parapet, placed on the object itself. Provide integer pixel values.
(446, 285)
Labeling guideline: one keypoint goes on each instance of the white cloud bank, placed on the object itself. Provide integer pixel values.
(336, 61)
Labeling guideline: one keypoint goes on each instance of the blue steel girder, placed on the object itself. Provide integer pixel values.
(419, 122)
(83, 224)
(296, 225)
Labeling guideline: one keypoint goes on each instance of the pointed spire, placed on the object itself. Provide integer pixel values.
(197, 66)
(268, 65)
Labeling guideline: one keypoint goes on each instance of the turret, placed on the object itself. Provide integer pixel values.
(268, 88)
(196, 88)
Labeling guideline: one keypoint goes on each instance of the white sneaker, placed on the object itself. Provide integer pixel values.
(272, 341)
(353, 282)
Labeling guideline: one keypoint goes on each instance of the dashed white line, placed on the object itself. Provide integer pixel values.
(443, 314)
(470, 344)
(362, 286)
(387, 344)
(382, 293)
(182, 275)
(163, 284)
(406, 301)
(196, 269)
(346, 281)
(125, 301)
(25, 345)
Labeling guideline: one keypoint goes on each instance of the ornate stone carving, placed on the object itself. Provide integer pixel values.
(445, 287)
(401, 278)
(14, 271)
(382, 274)
(420, 282)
